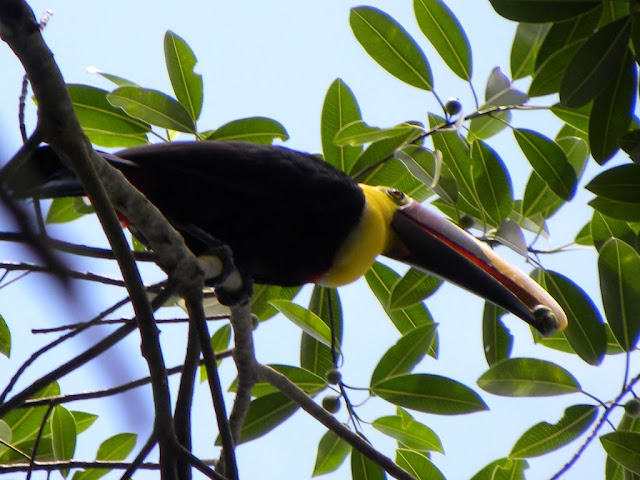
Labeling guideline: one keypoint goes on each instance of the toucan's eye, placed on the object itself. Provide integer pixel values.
(399, 197)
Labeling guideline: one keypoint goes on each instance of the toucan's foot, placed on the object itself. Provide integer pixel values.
(236, 296)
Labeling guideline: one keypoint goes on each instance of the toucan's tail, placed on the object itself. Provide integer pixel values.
(42, 175)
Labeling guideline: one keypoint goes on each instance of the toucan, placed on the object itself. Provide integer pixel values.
(291, 218)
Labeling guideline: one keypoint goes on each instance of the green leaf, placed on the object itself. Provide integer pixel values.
(187, 85)
(585, 331)
(527, 377)
(405, 354)
(104, 124)
(266, 413)
(413, 288)
(546, 437)
(491, 182)
(391, 46)
(630, 143)
(566, 32)
(613, 110)
(624, 448)
(332, 451)
(503, 469)
(314, 356)
(418, 465)
(5, 338)
(62, 210)
(576, 117)
(428, 168)
(540, 11)
(83, 420)
(549, 161)
(362, 468)
(63, 435)
(381, 280)
(308, 321)
(307, 381)
(524, 50)
(589, 72)
(409, 433)
(220, 342)
(113, 449)
(359, 133)
(443, 30)
(621, 183)
(619, 269)
(153, 107)
(25, 424)
(495, 336)
(548, 76)
(603, 228)
(430, 394)
(340, 108)
(538, 197)
(456, 155)
(263, 294)
(626, 211)
(260, 130)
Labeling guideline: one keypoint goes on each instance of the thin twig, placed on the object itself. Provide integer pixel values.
(193, 301)
(36, 445)
(60, 465)
(282, 383)
(88, 276)
(142, 454)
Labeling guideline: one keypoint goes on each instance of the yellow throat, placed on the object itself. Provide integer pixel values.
(368, 239)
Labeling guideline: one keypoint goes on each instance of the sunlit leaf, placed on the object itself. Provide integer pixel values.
(410, 433)
(503, 469)
(405, 354)
(332, 451)
(154, 107)
(549, 161)
(491, 182)
(545, 437)
(340, 108)
(603, 228)
(430, 393)
(315, 356)
(363, 468)
(307, 381)
(524, 50)
(104, 124)
(619, 269)
(418, 465)
(389, 44)
(624, 448)
(266, 413)
(629, 212)
(187, 85)
(308, 321)
(63, 435)
(381, 280)
(114, 448)
(5, 338)
(585, 329)
(260, 130)
(443, 30)
(413, 288)
(528, 377)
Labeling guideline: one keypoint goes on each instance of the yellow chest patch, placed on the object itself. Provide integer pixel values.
(365, 242)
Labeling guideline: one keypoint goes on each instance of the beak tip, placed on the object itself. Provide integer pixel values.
(547, 322)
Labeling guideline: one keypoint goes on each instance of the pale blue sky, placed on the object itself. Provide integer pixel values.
(277, 59)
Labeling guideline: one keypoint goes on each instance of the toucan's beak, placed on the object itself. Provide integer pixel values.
(434, 244)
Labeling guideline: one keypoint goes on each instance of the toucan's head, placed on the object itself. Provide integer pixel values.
(398, 227)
